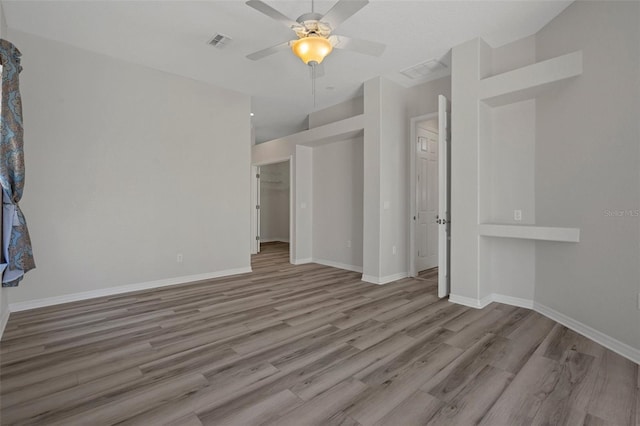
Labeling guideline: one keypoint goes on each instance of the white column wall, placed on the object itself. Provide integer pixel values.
(304, 204)
(464, 170)
(338, 204)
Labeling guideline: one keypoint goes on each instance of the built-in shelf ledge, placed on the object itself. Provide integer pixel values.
(530, 232)
(526, 82)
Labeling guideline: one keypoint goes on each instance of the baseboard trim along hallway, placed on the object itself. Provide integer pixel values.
(608, 342)
(110, 291)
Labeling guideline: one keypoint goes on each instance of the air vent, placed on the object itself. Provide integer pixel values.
(423, 69)
(219, 41)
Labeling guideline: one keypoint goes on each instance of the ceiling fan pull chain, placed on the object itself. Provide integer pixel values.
(313, 83)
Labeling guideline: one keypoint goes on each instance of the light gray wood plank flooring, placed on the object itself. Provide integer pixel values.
(302, 345)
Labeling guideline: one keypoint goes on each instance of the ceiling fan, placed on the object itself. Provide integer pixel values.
(314, 30)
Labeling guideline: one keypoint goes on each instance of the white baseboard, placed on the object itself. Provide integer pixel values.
(513, 301)
(608, 342)
(74, 297)
(500, 298)
(470, 301)
(384, 280)
(302, 261)
(338, 265)
(274, 240)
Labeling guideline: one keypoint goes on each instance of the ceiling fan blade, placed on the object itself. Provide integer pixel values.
(342, 11)
(262, 7)
(365, 47)
(268, 51)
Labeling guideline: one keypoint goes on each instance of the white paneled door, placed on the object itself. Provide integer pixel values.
(444, 225)
(427, 199)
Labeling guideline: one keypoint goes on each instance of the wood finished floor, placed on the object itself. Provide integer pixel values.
(301, 345)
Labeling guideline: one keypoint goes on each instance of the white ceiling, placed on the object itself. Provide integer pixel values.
(172, 36)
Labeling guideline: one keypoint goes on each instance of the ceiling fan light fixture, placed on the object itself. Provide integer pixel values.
(312, 48)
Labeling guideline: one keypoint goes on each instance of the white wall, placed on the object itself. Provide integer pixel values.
(570, 158)
(394, 192)
(274, 202)
(423, 99)
(371, 260)
(126, 167)
(507, 156)
(513, 55)
(388, 109)
(337, 201)
(349, 108)
(273, 151)
(493, 174)
(511, 151)
(465, 125)
(587, 163)
(304, 204)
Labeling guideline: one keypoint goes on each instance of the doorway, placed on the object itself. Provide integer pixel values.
(271, 222)
(426, 251)
(425, 144)
(429, 201)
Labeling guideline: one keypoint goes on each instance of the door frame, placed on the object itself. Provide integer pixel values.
(254, 211)
(411, 250)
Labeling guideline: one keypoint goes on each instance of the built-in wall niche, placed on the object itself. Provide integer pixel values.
(506, 143)
(507, 163)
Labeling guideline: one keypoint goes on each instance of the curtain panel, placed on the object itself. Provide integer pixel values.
(16, 244)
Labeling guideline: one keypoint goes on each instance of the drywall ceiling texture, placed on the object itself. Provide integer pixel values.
(587, 169)
(127, 167)
(172, 36)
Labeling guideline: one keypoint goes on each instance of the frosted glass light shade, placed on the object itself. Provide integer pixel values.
(311, 48)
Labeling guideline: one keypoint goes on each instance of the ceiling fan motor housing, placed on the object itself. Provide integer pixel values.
(310, 23)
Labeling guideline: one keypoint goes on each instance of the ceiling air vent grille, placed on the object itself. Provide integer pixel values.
(219, 41)
(423, 69)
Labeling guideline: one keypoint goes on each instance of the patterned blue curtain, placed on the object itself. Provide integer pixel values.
(16, 245)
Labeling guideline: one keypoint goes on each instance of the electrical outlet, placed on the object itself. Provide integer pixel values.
(179, 258)
(349, 244)
(394, 250)
(517, 215)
